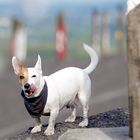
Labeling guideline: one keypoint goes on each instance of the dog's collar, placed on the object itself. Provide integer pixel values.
(35, 105)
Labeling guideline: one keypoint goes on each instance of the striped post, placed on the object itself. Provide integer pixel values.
(61, 38)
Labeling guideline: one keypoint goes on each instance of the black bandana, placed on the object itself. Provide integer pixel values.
(35, 105)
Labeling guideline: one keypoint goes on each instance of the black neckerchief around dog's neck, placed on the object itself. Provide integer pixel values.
(35, 105)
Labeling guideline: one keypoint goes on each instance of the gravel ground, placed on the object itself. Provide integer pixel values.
(114, 118)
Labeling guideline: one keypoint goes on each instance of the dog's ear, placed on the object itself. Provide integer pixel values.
(17, 65)
(38, 64)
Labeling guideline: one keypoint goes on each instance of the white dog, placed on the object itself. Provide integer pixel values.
(49, 94)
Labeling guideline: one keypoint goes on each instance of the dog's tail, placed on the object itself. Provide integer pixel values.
(94, 59)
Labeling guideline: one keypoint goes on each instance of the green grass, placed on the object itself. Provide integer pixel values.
(48, 52)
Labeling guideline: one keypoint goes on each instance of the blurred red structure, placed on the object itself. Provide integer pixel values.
(61, 38)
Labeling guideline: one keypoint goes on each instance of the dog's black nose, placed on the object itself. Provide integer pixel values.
(26, 86)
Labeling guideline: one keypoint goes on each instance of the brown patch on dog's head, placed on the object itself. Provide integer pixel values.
(23, 76)
(20, 70)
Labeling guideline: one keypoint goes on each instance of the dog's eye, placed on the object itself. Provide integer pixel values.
(34, 76)
(21, 77)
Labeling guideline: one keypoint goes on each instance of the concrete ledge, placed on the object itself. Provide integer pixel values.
(114, 133)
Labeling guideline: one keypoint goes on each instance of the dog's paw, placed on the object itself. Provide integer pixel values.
(84, 123)
(49, 131)
(70, 119)
(36, 129)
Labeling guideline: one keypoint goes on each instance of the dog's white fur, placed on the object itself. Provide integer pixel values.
(64, 87)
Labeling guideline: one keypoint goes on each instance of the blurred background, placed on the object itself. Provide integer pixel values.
(57, 30)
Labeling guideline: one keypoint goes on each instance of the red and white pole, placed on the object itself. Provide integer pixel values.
(61, 39)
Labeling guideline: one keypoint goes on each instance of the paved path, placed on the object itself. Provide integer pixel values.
(109, 91)
(115, 118)
(118, 133)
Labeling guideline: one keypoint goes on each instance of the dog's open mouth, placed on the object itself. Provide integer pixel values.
(31, 90)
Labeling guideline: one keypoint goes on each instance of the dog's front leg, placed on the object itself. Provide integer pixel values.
(37, 127)
(50, 129)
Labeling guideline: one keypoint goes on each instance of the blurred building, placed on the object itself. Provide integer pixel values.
(96, 33)
(119, 34)
(105, 33)
(18, 40)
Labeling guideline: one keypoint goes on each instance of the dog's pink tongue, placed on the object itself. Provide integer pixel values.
(33, 88)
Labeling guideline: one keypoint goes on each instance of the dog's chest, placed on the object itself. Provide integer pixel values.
(35, 106)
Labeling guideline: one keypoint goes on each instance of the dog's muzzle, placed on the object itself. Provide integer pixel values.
(29, 89)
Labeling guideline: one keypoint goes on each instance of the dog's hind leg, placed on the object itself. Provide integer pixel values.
(72, 117)
(84, 96)
(37, 127)
(84, 122)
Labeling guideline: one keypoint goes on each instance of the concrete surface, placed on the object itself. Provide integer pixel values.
(114, 118)
(118, 133)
